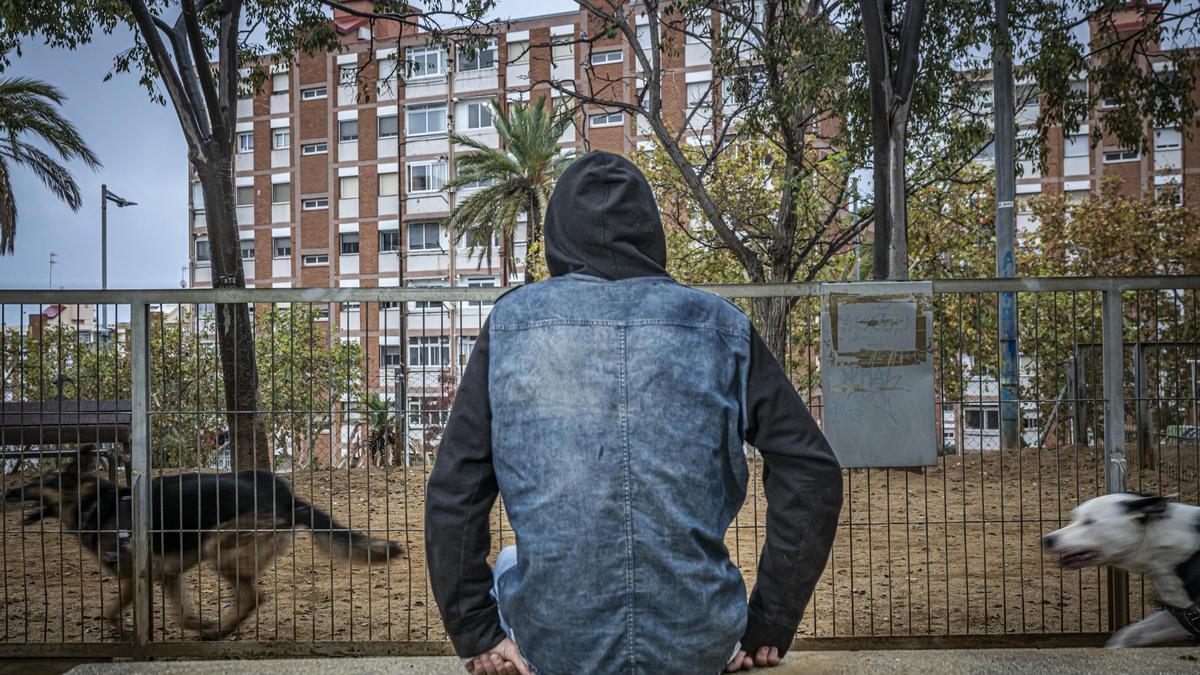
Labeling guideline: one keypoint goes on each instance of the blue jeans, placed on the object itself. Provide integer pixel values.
(504, 562)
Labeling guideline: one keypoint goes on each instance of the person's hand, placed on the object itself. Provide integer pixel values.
(767, 657)
(503, 659)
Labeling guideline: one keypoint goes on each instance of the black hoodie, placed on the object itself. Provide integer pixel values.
(602, 221)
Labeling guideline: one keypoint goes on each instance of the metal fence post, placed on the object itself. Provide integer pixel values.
(1113, 364)
(140, 432)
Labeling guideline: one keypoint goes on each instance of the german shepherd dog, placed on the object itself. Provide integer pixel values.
(238, 521)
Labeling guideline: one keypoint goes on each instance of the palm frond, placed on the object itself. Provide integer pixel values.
(29, 108)
(8, 211)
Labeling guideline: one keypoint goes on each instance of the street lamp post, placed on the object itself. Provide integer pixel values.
(105, 198)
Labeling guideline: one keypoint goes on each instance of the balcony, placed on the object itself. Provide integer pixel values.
(387, 147)
(281, 268)
(423, 87)
(348, 151)
(348, 264)
(243, 161)
(245, 107)
(348, 208)
(477, 80)
(427, 202)
(281, 158)
(389, 262)
(428, 261)
(433, 144)
(279, 103)
(281, 212)
(245, 215)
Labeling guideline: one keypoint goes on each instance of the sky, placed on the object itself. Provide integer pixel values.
(145, 160)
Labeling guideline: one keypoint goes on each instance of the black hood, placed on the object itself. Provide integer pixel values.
(602, 221)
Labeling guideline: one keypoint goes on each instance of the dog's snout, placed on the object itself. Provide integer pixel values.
(1048, 541)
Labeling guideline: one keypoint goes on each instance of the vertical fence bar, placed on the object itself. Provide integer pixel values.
(1113, 364)
(140, 432)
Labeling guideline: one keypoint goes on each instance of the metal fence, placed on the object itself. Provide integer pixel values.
(356, 385)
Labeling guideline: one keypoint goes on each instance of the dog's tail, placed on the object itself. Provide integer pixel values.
(339, 541)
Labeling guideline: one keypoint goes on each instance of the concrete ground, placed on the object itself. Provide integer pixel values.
(981, 661)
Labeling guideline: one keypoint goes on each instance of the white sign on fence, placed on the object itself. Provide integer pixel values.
(877, 373)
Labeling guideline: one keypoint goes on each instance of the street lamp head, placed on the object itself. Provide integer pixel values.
(121, 202)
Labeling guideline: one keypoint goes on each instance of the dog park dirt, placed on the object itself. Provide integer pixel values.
(951, 549)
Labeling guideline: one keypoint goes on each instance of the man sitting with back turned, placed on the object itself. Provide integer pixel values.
(608, 405)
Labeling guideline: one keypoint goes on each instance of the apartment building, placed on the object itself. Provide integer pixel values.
(340, 166)
(1074, 168)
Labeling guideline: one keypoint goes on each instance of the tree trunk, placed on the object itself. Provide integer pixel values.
(533, 234)
(770, 316)
(890, 200)
(235, 336)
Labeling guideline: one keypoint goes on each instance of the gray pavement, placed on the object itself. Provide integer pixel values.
(982, 661)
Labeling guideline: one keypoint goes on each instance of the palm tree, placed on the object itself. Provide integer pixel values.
(29, 108)
(518, 179)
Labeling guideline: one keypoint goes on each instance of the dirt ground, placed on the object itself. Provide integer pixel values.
(951, 549)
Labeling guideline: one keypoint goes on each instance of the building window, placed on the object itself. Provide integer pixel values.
(348, 76)
(479, 115)
(518, 52)
(313, 93)
(429, 351)
(607, 120)
(389, 304)
(391, 356)
(279, 83)
(389, 126)
(1076, 145)
(389, 184)
(315, 203)
(316, 259)
(282, 246)
(1167, 139)
(982, 419)
(348, 130)
(698, 31)
(281, 139)
(389, 240)
(428, 119)
(349, 306)
(247, 249)
(348, 187)
(482, 282)
(424, 236)
(197, 196)
(424, 411)
(426, 176)
(1120, 155)
(562, 50)
(484, 59)
(466, 343)
(244, 195)
(698, 94)
(203, 251)
(1172, 193)
(314, 149)
(600, 58)
(349, 243)
(425, 62)
(281, 193)
(643, 36)
(245, 140)
(427, 305)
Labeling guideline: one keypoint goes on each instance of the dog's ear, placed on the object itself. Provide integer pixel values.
(1145, 508)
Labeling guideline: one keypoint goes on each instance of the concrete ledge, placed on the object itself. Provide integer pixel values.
(981, 661)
